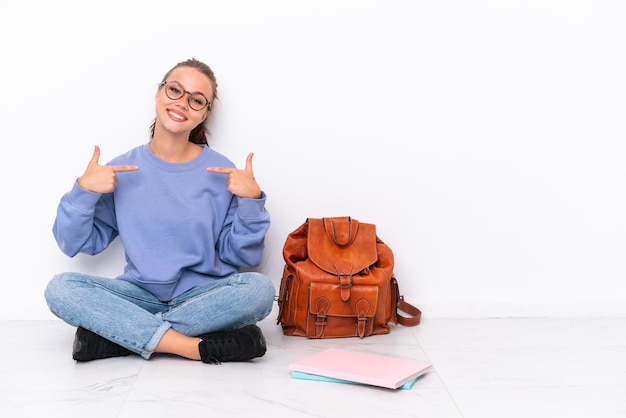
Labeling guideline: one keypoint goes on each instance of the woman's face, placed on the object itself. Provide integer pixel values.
(176, 115)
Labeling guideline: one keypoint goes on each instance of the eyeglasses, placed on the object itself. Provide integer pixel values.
(174, 90)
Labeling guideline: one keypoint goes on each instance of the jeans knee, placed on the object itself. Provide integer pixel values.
(58, 288)
(265, 289)
(52, 288)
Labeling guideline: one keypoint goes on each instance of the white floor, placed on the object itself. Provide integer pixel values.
(482, 368)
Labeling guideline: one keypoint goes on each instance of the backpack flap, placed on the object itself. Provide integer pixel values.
(342, 246)
(330, 314)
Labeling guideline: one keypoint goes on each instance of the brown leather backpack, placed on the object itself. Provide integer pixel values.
(338, 281)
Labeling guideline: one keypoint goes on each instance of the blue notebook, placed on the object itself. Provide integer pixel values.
(309, 376)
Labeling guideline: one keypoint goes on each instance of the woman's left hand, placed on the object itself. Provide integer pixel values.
(240, 182)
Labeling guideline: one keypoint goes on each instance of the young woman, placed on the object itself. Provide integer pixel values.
(189, 221)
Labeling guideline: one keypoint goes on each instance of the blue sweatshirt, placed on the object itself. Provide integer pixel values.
(178, 223)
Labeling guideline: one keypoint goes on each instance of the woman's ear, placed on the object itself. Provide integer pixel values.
(158, 90)
(206, 115)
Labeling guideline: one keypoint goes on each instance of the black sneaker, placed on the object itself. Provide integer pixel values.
(90, 346)
(240, 344)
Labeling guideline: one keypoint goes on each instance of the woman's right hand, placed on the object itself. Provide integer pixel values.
(101, 178)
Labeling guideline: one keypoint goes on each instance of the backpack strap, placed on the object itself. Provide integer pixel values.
(404, 306)
(416, 314)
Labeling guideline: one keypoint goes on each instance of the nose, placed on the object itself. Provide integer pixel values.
(184, 100)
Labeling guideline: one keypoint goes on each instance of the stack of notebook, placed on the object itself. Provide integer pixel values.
(346, 366)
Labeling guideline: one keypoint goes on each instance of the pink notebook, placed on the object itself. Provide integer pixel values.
(356, 366)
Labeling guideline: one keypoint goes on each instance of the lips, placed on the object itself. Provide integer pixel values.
(176, 116)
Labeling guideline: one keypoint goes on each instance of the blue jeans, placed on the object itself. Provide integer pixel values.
(133, 318)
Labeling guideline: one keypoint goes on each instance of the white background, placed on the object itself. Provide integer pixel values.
(485, 139)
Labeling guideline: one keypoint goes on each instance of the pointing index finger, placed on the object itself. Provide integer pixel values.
(119, 168)
(222, 170)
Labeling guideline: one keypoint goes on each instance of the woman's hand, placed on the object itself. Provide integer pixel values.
(101, 178)
(240, 182)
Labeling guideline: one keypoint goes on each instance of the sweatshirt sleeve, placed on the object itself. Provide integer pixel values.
(85, 222)
(242, 239)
